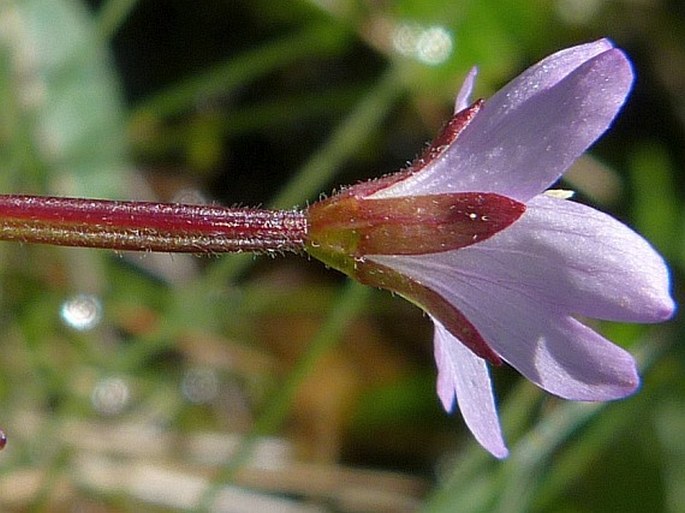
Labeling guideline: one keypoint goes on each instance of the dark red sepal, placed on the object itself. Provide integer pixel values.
(447, 135)
(410, 225)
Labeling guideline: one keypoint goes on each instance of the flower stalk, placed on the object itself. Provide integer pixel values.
(147, 226)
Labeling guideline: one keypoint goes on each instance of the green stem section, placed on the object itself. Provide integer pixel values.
(146, 226)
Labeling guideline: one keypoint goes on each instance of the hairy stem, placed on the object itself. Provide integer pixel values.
(145, 226)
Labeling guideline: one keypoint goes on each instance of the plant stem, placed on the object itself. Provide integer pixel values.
(145, 226)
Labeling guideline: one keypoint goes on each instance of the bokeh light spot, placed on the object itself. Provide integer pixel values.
(110, 396)
(430, 45)
(82, 312)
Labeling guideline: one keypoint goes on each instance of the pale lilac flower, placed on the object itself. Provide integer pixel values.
(524, 287)
(503, 269)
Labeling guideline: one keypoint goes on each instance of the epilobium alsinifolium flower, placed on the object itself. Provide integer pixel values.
(466, 232)
(504, 270)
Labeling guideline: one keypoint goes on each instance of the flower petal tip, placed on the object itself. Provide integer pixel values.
(620, 380)
(500, 452)
(625, 388)
(463, 99)
(619, 69)
(626, 383)
(665, 309)
(492, 441)
(632, 385)
(489, 436)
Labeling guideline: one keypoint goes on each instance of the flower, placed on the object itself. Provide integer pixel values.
(503, 269)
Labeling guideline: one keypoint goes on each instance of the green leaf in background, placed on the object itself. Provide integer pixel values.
(65, 99)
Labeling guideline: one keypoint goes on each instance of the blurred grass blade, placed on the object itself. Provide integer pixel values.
(655, 203)
(351, 300)
(670, 423)
(270, 114)
(314, 41)
(350, 134)
(111, 16)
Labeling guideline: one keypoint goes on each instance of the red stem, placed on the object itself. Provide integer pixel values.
(145, 226)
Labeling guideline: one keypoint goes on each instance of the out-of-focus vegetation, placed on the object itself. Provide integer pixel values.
(159, 383)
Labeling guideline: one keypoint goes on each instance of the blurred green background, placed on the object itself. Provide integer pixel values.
(172, 383)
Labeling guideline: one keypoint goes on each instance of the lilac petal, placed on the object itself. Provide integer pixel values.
(573, 259)
(465, 375)
(586, 262)
(545, 74)
(464, 96)
(568, 258)
(530, 132)
(550, 348)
